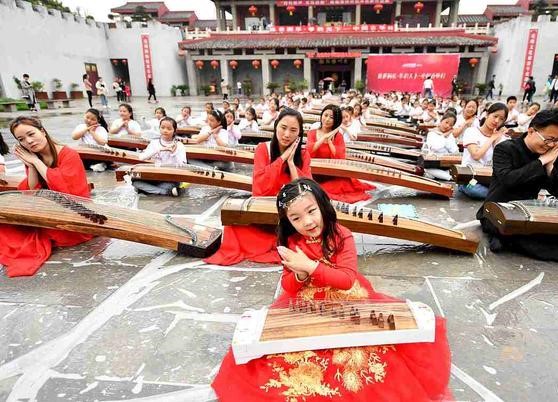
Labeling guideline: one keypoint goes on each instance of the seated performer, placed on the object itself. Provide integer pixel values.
(49, 166)
(185, 119)
(152, 125)
(349, 128)
(125, 125)
(440, 141)
(521, 168)
(327, 143)
(213, 134)
(93, 130)
(163, 151)
(467, 118)
(275, 163)
(320, 263)
(479, 143)
(250, 121)
(232, 131)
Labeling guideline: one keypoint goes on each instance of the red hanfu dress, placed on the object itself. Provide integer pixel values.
(255, 243)
(417, 372)
(24, 249)
(338, 188)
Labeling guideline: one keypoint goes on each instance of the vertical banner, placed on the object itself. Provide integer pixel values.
(146, 51)
(529, 55)
(407, 72)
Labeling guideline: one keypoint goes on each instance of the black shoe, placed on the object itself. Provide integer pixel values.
(495, 244)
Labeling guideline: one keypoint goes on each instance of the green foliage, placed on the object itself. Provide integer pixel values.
(140, 14)
(247, 86)
(205, 89)
(481, 87)
(57, 83)
(89, 17)
(272, 86)
(37, 86)
(52, 4)
(185, 88)
(173, 90)
(359, 85)
(17, 82)
(74, 86)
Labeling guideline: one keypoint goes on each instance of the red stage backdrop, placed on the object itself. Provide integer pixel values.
(406, 72)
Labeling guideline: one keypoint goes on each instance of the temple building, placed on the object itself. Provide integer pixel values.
(299, 43)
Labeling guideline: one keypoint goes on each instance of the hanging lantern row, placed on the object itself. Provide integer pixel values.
(115, 62)
(291, 9)
(214, 64)
(233, 64)
(297, 63)
(253, 10)
(274, 63)
(473, 62)
(199, 64)
(378, 8)
(256, 64)
(419, 5)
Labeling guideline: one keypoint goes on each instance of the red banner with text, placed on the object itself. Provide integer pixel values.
(407, 72)
(146, 51)
(529, 55)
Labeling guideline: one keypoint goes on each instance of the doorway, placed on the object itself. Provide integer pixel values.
(93, 73)
(120, 70)
(335, 73)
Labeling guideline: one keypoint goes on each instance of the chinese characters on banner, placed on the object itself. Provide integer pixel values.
(335, 29)
(529, 55)
(308, 3)
(407, 72)
(146, 51)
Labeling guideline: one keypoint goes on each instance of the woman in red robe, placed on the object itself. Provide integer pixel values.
(320, 263)
(49, 166)
(327, 143)
(276, 163)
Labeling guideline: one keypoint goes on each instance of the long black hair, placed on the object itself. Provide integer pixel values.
(100, 119)
(496, 107)
(274, 147)
(331, 237)
(337, 115)
(219, 116)
(252, 111)
(4, 149)
(172, 121)
(129, 108)
(162, 109)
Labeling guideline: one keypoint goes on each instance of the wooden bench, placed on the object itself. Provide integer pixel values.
(9, 106)
(58, 103)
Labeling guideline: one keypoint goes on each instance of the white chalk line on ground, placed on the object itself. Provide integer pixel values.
(517, 292)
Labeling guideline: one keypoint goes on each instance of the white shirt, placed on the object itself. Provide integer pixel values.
(523, 121)
(439, 144)
(352, 131)
(234, 135)
(268, 116)
(181, 122)
(512, 116)
(473, 135)
(428, 84)
(88, 137)
(426, 118)
(211, 142)
(246, 125)
(132, 125)
(163, 157)
(101, 88)
(416, 112)
(2, 161)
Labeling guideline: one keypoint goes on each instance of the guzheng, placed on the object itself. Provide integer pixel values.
(188, 131)
(310, 118)
(391, 124)
(355, 155)
(240, 153)
(188, 174)
(381, 149)
(262, 211)
(128, 142)
(54, 210)
(255, 136)
(464, 174)
(300, 325)
(389, 139)
(10, 183)
(523, 217)
(366, 171)
(429, 161)
(400, 133)
(107, 154)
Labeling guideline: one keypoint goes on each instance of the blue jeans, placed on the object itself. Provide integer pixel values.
(476, 192)
(104, 100)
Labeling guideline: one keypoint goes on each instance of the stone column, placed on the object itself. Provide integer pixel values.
(454, 9)
(234, 13)
(308, 72)
(358, 71)
(266, 75)
(437, 16)
(358, 17)
(482, 69)
(398, 8)
(310, 12)
(225, 73)
(191, 73)
(272, 12)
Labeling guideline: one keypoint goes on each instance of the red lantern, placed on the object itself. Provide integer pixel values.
(291, 9)
(378, 8)
(253, 10)
(214, 64)
(199, 64)
(256, 64)
(473, 62)
(233, 64)
(297, 63)
(419, 6)
(274, 63)
(115, 62)
(124, 61)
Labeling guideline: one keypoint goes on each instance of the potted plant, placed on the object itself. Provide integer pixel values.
(38, 88)
(359, 85)
(272, 86)
(173, 90)
(183, 89)
(481, 87)
(75, 93)
(247, 86)
(57, 93)
(205, 89)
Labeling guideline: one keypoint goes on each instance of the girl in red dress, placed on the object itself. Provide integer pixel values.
(320, 263)
(275, 163)
(327, 143)
(49, 166)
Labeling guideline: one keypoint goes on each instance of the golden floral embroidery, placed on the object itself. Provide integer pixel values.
(359, 366)
(356, 292)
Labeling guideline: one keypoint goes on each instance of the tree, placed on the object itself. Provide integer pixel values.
(141, 14)
(540, 8)
(53, 4)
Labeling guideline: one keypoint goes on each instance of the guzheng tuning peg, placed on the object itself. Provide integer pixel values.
(370, 215)
(381, 217)
(395, 218)
(380, 320)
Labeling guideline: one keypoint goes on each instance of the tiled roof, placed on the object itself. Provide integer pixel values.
(469, 19)
(272, 41)
(174, 15)
(501, 10)
(212, 24)
(148, 5)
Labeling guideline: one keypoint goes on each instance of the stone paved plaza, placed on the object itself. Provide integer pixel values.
(114, 320)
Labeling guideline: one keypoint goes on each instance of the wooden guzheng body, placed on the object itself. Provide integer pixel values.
(240, 154)
(464, 174)
(366, 171)
(50, 209)
(387, 150)
(400, 133)
(389, 139)
(523, 217)
(439, 161)
(391, 124)
(188, 131)
(323, 324)
(256, 136)
(128, 142)
(355, 155)
(10, 183)
(262, 211)
(107, 154)
(188, 174)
